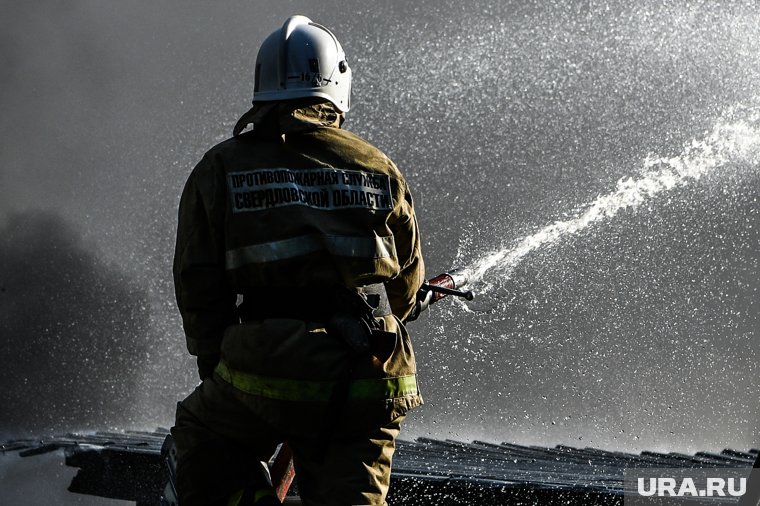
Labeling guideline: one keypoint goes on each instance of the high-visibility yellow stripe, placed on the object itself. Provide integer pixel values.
(319, 391)
(235, 498)
(262, 493)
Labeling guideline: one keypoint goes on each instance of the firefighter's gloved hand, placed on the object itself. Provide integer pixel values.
(206, 365)
(424, 298)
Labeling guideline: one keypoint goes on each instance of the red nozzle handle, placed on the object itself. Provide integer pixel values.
(450, 283)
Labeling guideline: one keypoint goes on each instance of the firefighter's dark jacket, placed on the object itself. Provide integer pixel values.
(297, 205)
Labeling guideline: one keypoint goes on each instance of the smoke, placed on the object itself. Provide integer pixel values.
(71, 327)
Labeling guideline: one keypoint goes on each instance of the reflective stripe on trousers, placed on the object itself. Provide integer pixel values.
(284, 389)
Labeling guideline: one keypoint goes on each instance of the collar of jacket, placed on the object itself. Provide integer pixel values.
(273, 119)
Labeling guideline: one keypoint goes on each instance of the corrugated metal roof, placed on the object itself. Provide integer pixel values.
(426, 471)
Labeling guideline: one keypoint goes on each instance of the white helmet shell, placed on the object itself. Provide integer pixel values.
(302, 59)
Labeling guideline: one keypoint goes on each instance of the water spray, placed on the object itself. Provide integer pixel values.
(735, 136)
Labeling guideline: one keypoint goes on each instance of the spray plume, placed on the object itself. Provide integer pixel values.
(735, 137)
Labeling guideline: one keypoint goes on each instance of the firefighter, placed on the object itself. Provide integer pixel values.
(297, 260)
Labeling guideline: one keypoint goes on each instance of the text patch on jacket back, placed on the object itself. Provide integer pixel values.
(318, 188)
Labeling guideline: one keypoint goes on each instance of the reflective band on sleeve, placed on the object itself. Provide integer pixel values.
(338, 245)
(316, 391)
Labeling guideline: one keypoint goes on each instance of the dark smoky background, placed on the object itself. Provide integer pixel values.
(638, 333)
(72, 330)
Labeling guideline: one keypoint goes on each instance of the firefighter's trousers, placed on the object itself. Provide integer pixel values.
(221, 444)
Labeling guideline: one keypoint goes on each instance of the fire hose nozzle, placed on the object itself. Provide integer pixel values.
(449, 283)
(440, 292)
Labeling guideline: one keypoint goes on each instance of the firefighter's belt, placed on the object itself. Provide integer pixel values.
(310, 304)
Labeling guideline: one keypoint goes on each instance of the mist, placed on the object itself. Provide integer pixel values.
(73, 331)
(638, 333)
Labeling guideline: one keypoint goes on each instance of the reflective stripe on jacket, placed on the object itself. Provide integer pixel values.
(295, 204)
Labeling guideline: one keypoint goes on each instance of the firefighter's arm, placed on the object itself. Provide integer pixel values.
(402, 290)
(206, 304)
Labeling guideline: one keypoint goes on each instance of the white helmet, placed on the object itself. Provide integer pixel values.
(302, 59)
